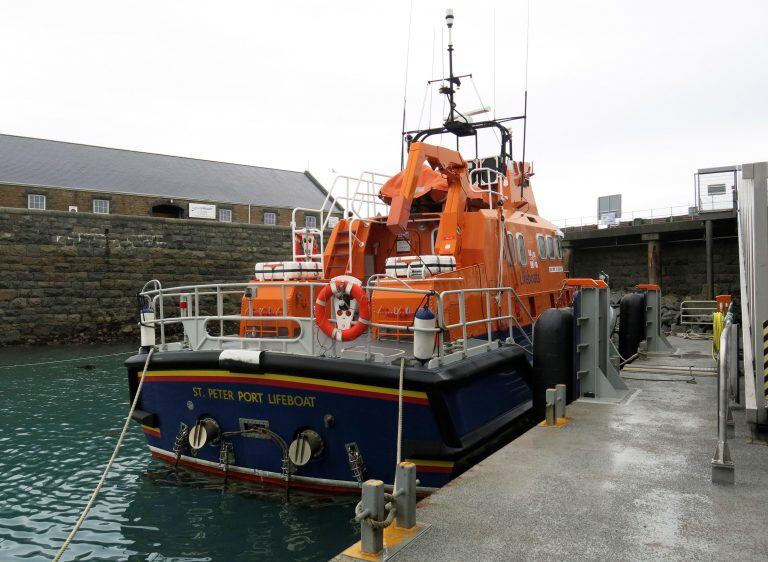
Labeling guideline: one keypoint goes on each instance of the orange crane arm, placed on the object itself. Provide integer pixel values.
(438, 157)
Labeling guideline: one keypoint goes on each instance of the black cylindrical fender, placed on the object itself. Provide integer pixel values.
(553, 356)
(631, 323)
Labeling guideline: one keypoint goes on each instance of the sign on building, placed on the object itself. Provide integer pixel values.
(609, 207)
(202, 211)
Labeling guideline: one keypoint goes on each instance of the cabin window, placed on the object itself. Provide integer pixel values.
(550, 247)
(542, 245)
(509, 248)
(35, 201)
(559, 247)
(521, 248)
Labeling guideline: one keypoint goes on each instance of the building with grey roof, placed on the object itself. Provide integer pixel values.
(53, 175)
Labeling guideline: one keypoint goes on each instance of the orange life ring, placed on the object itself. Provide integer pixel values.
(340, 287)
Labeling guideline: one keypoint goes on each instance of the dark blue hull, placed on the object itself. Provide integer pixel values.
(449, 414)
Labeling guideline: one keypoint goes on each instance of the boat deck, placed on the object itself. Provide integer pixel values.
(619, 481)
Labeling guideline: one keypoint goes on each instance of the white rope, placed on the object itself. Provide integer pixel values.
(65, 360)
(400, 412)
(96, 490)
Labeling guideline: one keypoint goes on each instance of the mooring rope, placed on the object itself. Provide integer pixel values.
(66, 360)
(103, 478)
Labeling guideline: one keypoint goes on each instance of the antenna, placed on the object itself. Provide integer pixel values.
(405, 87)
(525, 101)
(451, 80)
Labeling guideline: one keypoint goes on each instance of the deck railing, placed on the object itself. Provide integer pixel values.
(206, 317)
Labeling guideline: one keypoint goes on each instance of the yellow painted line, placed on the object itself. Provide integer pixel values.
(287, 378)
(419, 462)
(395, 538)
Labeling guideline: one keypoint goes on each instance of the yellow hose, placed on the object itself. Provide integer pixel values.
(717, 328)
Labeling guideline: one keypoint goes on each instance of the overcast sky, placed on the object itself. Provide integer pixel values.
(624, 97)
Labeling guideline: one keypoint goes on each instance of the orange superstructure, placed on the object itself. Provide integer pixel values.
(437, 209)
(461, 238)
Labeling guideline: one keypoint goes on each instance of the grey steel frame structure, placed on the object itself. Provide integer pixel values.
(753, 266)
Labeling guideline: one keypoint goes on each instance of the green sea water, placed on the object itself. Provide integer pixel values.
(59, 423)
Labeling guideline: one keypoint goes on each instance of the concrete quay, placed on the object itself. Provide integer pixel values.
(627, 481)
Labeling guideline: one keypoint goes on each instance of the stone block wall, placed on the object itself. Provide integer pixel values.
(68, 277)
(683, 269)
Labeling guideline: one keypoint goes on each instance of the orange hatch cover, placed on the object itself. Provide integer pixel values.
(431, 185)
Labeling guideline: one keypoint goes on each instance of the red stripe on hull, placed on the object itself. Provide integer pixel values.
(269, 480)
(152, 432)
(296, 385)
(440, 469)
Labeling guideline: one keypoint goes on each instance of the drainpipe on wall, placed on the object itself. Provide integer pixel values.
(249, 213)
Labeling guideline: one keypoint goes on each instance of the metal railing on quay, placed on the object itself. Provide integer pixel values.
(697, 312)
(627, 218)
(727, 362)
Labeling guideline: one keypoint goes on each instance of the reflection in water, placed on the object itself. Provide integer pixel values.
(58, 425)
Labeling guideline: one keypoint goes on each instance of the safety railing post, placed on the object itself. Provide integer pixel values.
(488, 324)
(511, 316)
(162, 318)
(405, 495)
(371, 538)
(463, 319)
(722, 464)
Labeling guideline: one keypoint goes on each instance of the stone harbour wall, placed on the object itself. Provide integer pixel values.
(683, 270)
(67, 277)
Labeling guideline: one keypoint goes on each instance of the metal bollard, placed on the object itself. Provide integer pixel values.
(372, 540)
(559, 401)
(405, 495)
(551, 399)
(722, 465)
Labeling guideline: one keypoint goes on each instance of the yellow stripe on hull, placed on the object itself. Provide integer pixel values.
(287, 379)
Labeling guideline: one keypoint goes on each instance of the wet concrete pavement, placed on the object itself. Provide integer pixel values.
(619, 481)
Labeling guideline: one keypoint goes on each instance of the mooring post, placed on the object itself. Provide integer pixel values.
(371, 539)
(551, 399)
(559, 401)
(405, 495)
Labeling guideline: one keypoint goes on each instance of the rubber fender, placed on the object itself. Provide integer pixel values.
(631, 323)
(553, 356)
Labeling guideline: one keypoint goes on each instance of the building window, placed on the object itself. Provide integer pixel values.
(225, 215)
(310, 221)
(333, 221)
(35, 201)
(101, 206)
(270, 218)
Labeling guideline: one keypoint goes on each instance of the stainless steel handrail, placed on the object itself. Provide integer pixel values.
(193, 293)
(722, 464)
(692, 313)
